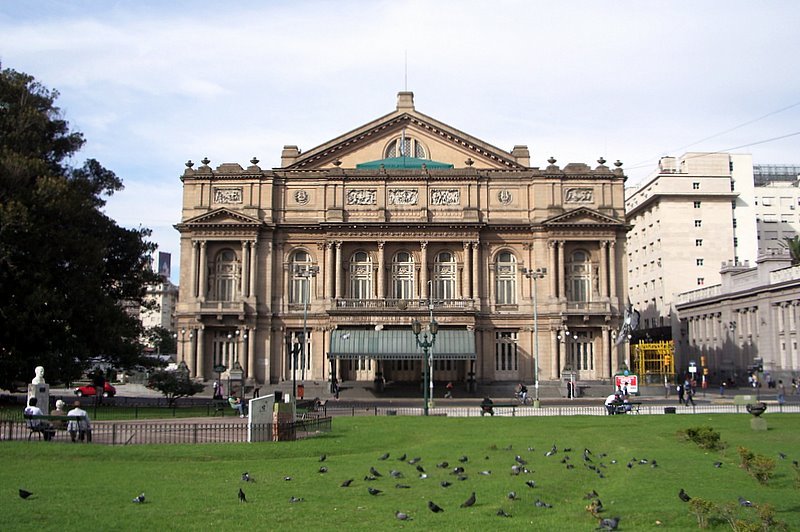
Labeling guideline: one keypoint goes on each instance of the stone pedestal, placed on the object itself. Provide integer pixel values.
(42, 394)
(259, 416)
(758, 423)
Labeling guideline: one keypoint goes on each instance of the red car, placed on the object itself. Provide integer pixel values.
(89, 389)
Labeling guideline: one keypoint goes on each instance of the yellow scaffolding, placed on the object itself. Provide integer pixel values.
(653, 360)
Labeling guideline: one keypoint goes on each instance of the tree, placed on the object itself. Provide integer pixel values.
(792, 244)
(67, 271)
(174, 385)
(161, 339)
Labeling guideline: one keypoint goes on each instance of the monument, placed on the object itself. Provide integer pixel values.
(39, 389)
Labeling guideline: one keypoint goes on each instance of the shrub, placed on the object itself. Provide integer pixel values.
(702, 510)
(704, 437)
(759, 466)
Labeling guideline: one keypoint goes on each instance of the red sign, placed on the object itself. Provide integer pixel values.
(631, 381)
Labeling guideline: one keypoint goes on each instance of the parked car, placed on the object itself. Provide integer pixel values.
(89, 389)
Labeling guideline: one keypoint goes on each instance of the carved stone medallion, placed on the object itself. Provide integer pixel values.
(505, 196)
(301, 197)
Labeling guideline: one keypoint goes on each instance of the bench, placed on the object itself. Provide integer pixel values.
(489, 409)
(219, 406)
(47, 426)
(623, 408)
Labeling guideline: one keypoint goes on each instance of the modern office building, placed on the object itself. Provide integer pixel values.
(317, 268)
(777, 205)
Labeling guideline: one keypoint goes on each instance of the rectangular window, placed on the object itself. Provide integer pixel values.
(735, 241)
(696, 185)
(505, 352)
(699, 242)
(696, 204)
(699, 262)
(734, 223)
(767, 202)
(701, 281)
(698, 223)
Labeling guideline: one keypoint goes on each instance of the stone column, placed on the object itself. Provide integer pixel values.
(201, 353)
(603, 269)
(328, 270)
(253, 268)
(381, 271)
(554, 275)
(605, 356)
(193, 277)
(269, 282)
(423, 269)
(203, 273)
(338, 270)
(191, 357)
(465, 273)
(250, 371)
(244, 269)
(475, 272)
(612, 269)
(561, 271)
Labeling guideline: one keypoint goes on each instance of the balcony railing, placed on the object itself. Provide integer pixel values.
(223, 307)
(402, 304)
(587, 306)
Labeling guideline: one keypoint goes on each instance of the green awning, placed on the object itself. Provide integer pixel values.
(399, 344)
(403, 162)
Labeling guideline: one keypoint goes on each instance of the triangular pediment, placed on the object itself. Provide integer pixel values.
(440, 142)
(582, 216)
(222, 217)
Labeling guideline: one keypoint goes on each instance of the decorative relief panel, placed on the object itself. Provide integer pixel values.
(445, 196)
(403, 196)
(505, 196)
(579, 195)
(228, 195)
(301, 197)
(361, 197)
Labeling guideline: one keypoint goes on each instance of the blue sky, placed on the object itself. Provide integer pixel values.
(152, 84)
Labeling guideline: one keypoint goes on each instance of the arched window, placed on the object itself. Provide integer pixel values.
(225, 276)
(444, 276)
(579, 277)
(299, 286)
(361, 276)
(405, 146)
(506, 269)
(403, 275)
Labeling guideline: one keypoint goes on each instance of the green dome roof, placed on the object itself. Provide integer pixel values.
(403, 162)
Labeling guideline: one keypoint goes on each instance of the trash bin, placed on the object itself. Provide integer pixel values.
(301, 390)
(391, 412)
(669, 409)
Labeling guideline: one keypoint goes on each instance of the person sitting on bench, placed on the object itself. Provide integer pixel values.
(486, 406)
(80, 428)
(237, 405)
(37, 424)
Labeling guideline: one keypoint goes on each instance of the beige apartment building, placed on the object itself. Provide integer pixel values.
(317, 268)
(691, 216)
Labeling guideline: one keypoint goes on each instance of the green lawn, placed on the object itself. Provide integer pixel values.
(80, 487)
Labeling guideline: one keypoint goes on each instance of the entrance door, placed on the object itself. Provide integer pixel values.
(403, 370)
(359, 369)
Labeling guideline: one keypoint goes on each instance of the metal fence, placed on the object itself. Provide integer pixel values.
(156, 432)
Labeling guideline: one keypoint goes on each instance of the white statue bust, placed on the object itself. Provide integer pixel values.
(39, 377)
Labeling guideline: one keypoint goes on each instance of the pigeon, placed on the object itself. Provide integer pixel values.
(402, 516)
(530, 483)
(609, 523)
(458, 470)
(323, 469)
(515, 470)
(653, 464)
(24, 494)
(512, 495)
(745, 502)
(370, 477)
(570, 466)
(139, 499)
(502, 513)
(550, 453)
(541, 504)
(486, 472)
(414, 460)
(287, 478)
(296, 499)
(442, 465)
(246, 477)
(435, 508)
(374, 472)
(463, 459)
(402, 458)
(569, 450)
(782, 455)
(643, 461)
(384, 456)
(423, 475)
(420, 468)
(520, 460)
(469, 502)
(242, 498)
(396, 474)
(630, 465)
(462, 477)
(717, 464)
(322, 457)
(684, 496)
(346, 483)
(373, 491)
(445, 484)
(402, 486)
(595, 507)
(591, 495)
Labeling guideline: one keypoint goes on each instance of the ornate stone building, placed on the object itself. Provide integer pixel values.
(402, 218)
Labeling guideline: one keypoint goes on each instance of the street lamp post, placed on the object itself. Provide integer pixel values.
(534, 275)
(307, 272)
(565, 337)
(426, 345)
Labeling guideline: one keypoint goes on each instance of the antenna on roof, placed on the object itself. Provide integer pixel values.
(405, 72)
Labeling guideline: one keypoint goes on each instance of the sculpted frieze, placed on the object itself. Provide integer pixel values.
(362, 197)
(579, 195)
(445, 196)
(227, 195)
(403, 196)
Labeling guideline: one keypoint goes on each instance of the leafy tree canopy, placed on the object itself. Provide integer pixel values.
(174, 384)
(67, 271)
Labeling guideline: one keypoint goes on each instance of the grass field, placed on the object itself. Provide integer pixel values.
(79, 487)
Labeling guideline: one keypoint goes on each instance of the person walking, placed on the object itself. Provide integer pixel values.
(689, 394)
(781, 392)
(681, 391)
